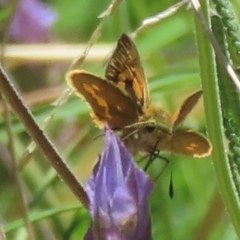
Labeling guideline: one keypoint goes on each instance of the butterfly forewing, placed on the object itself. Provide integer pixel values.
(124, 69)
(186, 108)
(108, 102)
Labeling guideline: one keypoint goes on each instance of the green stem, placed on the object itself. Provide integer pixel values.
(214, 121)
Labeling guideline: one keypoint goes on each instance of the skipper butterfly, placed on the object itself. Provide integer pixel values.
(122, 100)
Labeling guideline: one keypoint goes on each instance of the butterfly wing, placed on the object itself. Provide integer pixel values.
(108, 102)
(124, 69)
(186, 108)
(186, 142)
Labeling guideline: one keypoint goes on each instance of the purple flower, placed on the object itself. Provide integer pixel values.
(118, 192)
(32, 21)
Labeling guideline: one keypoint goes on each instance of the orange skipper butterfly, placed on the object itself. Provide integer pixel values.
(122, 100)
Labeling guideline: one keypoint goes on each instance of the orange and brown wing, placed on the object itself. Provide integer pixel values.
(124, 69)
(109, 103)
(186, 142)
(186, 108)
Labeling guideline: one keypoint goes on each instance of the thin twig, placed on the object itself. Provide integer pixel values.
(6, 30)
(111, 8)
(23, 202)
(7, 120)
(76, 62)
(218, 51)
(152, 21)
(96, 33)
(26, 156)
(37, 134)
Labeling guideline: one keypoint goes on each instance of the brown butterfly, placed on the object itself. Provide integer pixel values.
(122, 100)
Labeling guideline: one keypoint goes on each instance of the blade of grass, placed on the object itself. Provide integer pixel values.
(214, 120)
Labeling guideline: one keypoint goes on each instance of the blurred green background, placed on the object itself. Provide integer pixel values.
(169, 57)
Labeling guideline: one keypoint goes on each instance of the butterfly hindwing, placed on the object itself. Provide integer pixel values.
(186, 142)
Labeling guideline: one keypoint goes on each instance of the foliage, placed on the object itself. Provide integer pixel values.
(169, 56)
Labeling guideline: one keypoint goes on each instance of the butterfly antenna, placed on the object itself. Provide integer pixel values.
(130, 134)
(142, 124)
(171, 188)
